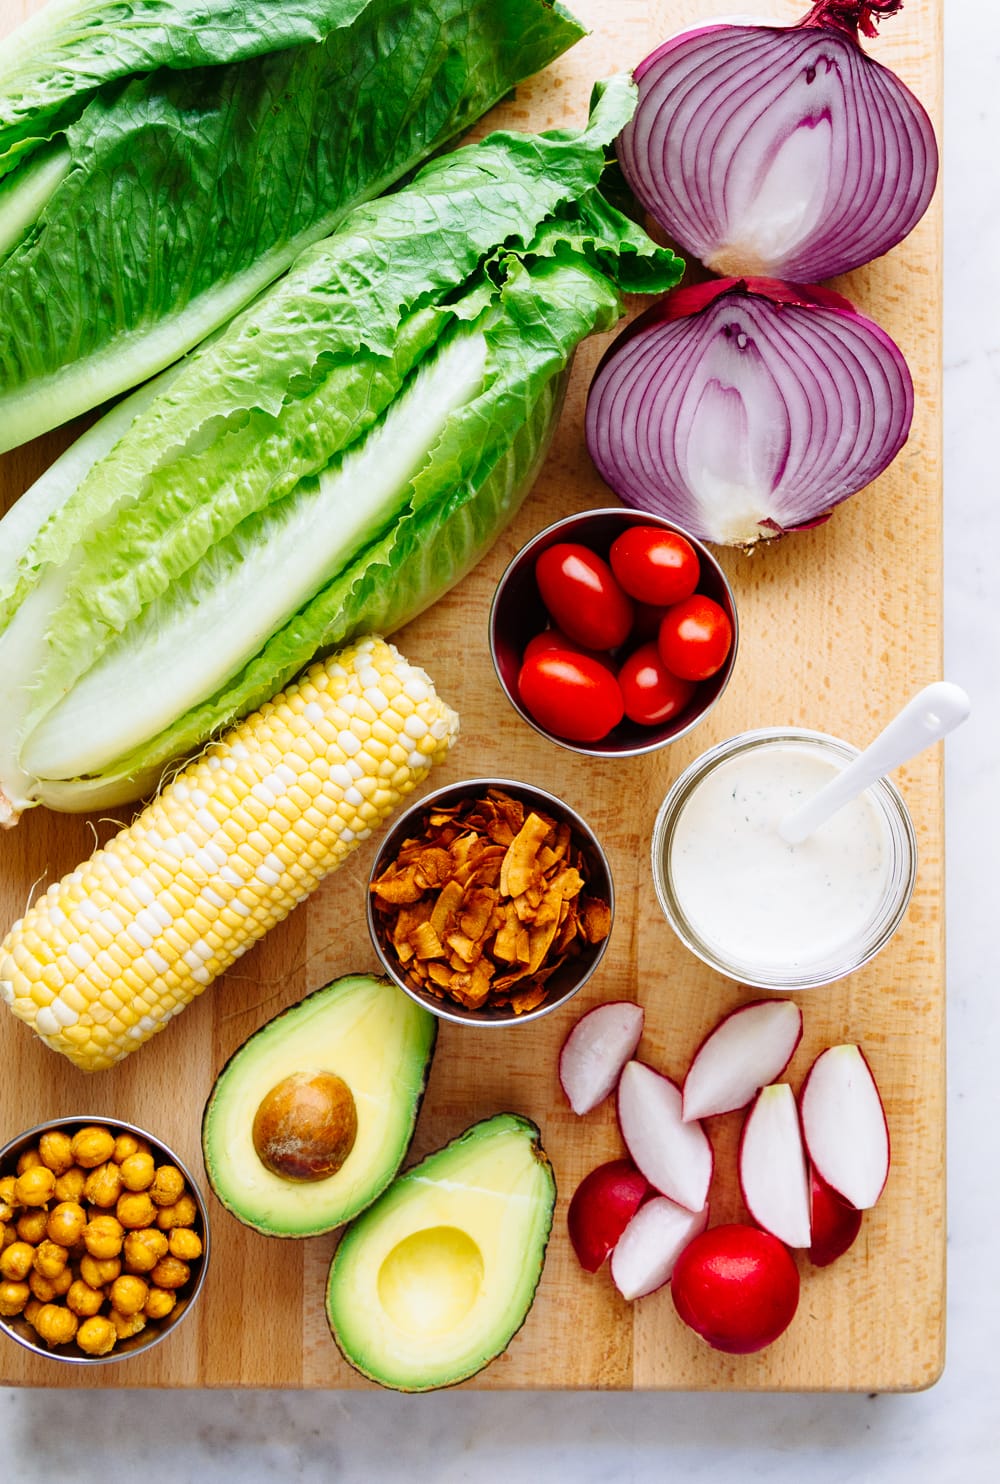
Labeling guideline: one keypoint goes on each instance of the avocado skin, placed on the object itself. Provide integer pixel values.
(277, 1026)
(359, 1232)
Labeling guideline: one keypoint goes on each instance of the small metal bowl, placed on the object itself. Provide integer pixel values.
(156, 1330)
(517, 614)
(571, 975)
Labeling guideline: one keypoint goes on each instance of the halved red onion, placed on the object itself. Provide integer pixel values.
(744, 408)
(785, 151)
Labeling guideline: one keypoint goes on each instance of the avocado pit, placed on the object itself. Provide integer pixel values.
(305, 1127)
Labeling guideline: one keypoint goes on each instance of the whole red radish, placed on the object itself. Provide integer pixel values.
(602, 1207)
(835, 1223)
(737, 1287)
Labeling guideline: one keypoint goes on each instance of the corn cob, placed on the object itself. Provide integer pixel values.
(108, 955)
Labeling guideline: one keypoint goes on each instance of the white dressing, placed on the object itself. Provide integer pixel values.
(756, 901)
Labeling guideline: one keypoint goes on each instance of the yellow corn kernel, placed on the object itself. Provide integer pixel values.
(187, 888)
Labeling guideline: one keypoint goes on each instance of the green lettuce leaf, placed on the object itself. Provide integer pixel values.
(61, 55)
(330, 464)
(185, 192)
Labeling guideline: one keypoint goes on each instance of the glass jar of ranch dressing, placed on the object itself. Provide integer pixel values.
(769, 914)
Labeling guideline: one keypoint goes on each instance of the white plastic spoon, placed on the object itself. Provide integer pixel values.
(932, 713)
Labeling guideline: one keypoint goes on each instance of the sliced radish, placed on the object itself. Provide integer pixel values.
(844, 1126)
(774, 1175)
(645, 1253)
(749, 1048)
(675, 1157)
(595, 1051)
(835, 1224)
(603, 1204)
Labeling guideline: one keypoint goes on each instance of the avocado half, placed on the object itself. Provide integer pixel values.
(433, 1281)
(366, 1031)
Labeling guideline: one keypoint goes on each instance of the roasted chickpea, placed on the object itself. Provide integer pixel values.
(128, 1293)
(47, 1290)
(99, 1271)
(55, 1150)
(160, 1303)
(56, 1324)
(7, 1195)
(103, 1186)
(6, 1212)
(103, 1236)
(16, 1261)
(27, 1160)
(65, 1223)
(35, 1186)
(30, 1310)
(69, 1187)
(183, 1213)
(170, 1272)
(135, 1209)
(127, 1325)
(31, 1226)
(8, 1234)
(168, 1186)
(83, 1299)
(51, 1258)
(92, 1146)
(137, 1171)
(185, 1244)
(96, 1335)
(142, 1250)
(13, 1298)
(126, 1145)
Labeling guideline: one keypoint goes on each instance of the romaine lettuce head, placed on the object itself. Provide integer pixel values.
(330, 464)
(164, 160)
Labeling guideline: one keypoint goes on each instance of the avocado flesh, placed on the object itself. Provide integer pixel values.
(373, 1036)
(432, 1282)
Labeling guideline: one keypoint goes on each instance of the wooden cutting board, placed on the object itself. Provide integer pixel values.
(838, 627)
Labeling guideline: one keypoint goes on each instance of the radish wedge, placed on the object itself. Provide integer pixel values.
(675, 1157)
(645, 1253)
(603, 1204)
(844, 1126)
(774, 1174)
(834, 1223)
(595, 1051)
(748, 1049)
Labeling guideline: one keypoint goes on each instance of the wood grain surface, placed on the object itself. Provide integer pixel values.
(838, 627)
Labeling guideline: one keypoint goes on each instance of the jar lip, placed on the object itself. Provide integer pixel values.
(899, 887)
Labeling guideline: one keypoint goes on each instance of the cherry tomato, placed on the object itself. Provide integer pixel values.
(571, 695)
(549, 639)
(650, 693)
(655, 566)
(581, 594)
(695, 638)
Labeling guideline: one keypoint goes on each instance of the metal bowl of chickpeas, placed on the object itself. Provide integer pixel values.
(104, 1240)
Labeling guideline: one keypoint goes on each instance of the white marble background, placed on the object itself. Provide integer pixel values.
(946, 1434)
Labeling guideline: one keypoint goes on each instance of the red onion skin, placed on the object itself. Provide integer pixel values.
(812, 258)
(851, 16)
